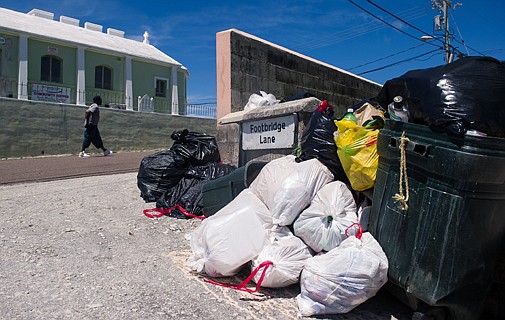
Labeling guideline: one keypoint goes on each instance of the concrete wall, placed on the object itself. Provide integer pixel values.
(246, 64)
(31, 129)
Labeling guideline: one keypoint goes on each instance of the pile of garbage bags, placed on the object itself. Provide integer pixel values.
(462, 97)
(302, 220)
(301, 225)
(174, 178)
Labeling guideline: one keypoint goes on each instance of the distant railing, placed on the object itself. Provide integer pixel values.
(162, 105)
(200, 110)
(114, 99)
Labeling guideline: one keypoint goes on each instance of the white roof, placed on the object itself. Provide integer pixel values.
(47, 28)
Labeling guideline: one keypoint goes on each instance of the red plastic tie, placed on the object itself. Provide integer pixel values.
(242, 286)
(324, 105)
(187, 214)
(360, 230)
(162, 211)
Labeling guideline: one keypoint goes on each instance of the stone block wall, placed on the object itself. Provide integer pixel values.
(246, 64)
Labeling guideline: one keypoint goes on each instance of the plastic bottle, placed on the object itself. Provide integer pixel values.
(350, 115)
(397, 110)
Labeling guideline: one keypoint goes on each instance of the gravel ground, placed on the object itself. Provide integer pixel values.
(82, 249)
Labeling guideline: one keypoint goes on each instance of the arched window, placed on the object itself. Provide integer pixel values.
(103, 77)
(51, 69)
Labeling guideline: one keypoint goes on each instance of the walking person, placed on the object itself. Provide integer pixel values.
(91, 134)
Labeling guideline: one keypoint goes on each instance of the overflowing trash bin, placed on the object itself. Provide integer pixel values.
(443, 246)
(439, 193)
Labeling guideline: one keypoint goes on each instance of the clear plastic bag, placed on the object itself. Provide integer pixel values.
(256, 100)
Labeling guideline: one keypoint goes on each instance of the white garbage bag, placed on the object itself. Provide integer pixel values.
(288, 255)
(256, 100)
(343, 278)
(271, 177)
(231, 237)
(287, 186)
(323, 224)
(247, 198)
(275, 232)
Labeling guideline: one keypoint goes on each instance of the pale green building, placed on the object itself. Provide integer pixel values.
(44, 59)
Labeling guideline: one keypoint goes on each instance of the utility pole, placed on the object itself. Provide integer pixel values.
(443, 6)
(447, 38)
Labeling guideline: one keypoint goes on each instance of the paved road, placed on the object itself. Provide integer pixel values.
(67, 167)
(80, 248)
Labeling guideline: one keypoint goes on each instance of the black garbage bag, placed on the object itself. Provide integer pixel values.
(186, 197)
(159, 172)
(317, 141)
(298, 96)
(467, 94)
(163, 170)
(198, 148)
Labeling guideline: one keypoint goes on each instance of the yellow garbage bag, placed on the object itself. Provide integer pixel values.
(357, 151)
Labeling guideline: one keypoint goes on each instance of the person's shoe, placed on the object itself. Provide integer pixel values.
(107, 152)
(83, 154)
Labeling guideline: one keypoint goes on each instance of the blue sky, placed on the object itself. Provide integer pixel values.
(335, 32)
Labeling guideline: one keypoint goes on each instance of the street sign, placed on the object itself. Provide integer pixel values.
(271, 133)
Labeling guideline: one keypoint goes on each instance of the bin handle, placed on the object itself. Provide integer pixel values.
(411, 146)
(400, 197)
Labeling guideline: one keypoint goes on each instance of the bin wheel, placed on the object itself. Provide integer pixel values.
(434, 313)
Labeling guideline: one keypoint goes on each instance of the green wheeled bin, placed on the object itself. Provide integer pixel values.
(443, 249)
(219, 192)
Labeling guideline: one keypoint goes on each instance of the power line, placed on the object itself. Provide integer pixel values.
(462, 41)
(495, 50)
(350, 33)
(454, 20)
(398, 29)
(399, 62)
(402, 61)
(466, 46)
(396, 17)
(386, 57)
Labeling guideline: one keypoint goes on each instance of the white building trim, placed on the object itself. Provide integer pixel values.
(175, 92)
(128, 83)
(23, 67)
(81, 77)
